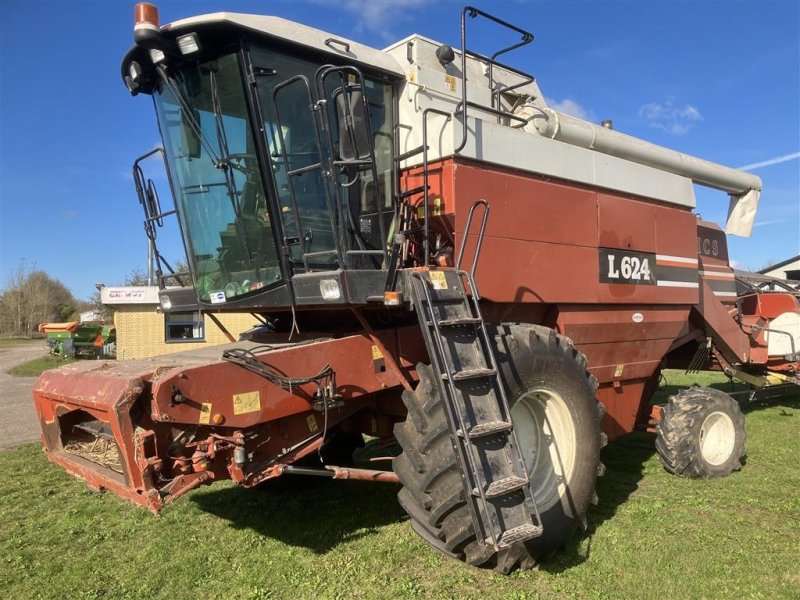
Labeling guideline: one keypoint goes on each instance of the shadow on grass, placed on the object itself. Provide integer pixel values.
(308, 512)
(788, 400)
(624, 459)
(319, 514)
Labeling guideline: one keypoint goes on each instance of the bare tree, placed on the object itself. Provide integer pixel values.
(136, 277)
(32, 297)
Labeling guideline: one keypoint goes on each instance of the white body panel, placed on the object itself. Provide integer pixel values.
(551, 143)
(429, 85)
(779, 344)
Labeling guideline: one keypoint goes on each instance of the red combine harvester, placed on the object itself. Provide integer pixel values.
(330, 189)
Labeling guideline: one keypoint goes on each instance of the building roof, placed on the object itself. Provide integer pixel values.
(780, 264)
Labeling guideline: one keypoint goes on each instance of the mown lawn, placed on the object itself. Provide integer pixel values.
(652, 536)
(6, 343)
(34, 368)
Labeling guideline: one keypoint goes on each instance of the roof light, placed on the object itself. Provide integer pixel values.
(145, 16)
(157, 55)
(188, 44)
(135, 71)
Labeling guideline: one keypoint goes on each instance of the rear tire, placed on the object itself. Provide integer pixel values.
(701, 434)
(557, 421)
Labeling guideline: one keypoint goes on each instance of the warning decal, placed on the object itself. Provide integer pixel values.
(438, 282)
(205, 414)
(246, 403)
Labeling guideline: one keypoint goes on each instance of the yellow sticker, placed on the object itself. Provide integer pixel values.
(351, 79)
(438, 282)
(411, 75)
(618, 371)
(435, 209)
(376, 353)
(312, 424)
(246, 403)
(205, 414)
(450, 82)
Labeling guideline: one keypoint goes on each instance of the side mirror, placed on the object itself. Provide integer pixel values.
(354, 139)
(153, 203)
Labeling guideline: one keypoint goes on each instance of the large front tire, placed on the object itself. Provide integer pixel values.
(557, 423)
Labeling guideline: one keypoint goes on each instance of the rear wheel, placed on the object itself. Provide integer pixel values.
(557, 422)
(701, 434)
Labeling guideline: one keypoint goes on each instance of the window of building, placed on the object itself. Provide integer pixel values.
(794, 274)
(184, 327)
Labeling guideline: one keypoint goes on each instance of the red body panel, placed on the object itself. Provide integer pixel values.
(541, 248)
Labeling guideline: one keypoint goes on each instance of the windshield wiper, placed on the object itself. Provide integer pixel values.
(222, 140)
(220, 163)
(178, 94)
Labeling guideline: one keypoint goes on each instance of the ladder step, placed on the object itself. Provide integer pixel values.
(470, 374)
(523, 533)
(459, 321)
(501, 487)
(445, 300)
(490, 428)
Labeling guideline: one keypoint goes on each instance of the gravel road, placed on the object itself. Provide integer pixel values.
(18, 422)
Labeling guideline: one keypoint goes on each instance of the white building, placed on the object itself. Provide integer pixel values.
(786, 269)
(91, 316)
(143, 330)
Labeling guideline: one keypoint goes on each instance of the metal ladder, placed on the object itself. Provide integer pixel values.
(492, 468)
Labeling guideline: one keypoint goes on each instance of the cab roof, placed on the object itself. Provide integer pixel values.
(294, 33)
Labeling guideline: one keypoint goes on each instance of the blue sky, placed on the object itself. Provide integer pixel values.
(720, 80)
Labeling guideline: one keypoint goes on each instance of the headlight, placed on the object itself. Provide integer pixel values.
(329, 288)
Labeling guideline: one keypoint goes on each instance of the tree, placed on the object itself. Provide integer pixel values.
(32, 297)
(136, 277)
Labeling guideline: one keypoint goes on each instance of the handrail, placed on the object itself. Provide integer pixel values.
(290, 173)
(478, 244)
(527, 38)
(425, 192)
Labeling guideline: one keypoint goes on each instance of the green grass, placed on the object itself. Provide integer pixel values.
(6, 343)
(673, 380)
(652, 536)
(34, 368)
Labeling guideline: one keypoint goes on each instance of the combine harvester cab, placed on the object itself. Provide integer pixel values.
(342, 194)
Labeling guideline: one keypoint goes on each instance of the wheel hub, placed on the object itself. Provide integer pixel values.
(717, 437)
(546, 434)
